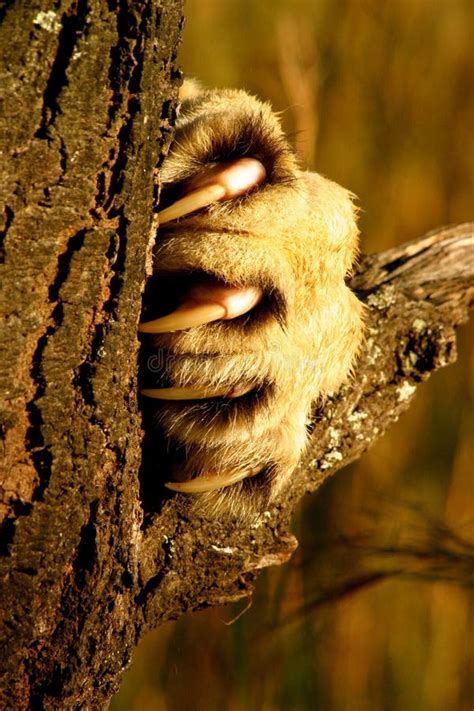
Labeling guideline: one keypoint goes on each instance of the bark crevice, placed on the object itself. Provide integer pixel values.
(73, 23)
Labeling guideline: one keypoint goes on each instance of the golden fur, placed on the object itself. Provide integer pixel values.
(296, 237)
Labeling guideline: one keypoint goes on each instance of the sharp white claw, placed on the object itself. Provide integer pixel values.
(223, 181)
(182, 393)
(209, 482)
(205, 304)
(192, 202)
(188, 315)
(196, 393)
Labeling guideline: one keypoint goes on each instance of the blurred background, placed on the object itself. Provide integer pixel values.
(375, 610)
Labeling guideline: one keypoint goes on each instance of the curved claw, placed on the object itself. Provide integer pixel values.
(192, 202)
(182, 393)
(196, 393)
(205, 483)
(206, 303)
(186, 316)
(223, 181)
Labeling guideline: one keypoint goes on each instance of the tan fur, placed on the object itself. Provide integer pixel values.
(295, 236)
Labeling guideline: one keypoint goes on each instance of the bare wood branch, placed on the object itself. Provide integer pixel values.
(416, 295)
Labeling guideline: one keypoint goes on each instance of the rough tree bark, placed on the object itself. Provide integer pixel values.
(87, 565)
(89, 88)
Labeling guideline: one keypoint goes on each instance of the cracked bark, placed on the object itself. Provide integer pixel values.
(90, 91)
(84, 571)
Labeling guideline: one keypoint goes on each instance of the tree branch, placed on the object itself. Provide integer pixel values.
(416, 295)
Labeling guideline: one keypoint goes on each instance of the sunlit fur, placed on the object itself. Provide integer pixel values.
(296, 237)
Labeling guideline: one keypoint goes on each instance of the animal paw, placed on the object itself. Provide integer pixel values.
(248, 306)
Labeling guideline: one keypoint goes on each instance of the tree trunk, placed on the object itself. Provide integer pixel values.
(90, 89)
(84, 569)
